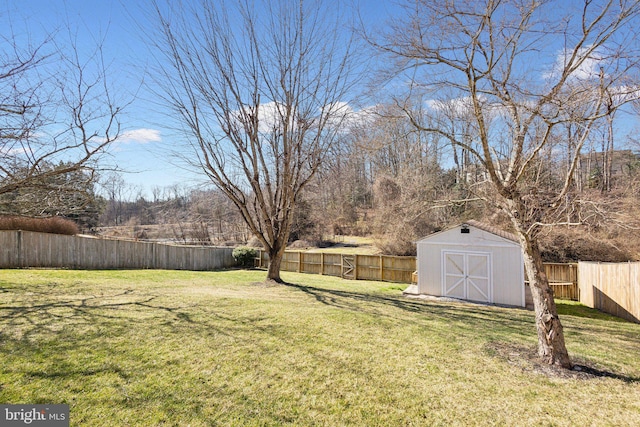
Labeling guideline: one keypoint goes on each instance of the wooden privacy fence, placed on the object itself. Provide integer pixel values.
(612, 288)
(562, 277)
(30, 249)
(348, 266)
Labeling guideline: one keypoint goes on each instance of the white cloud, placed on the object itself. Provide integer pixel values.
(344, 116)
(339, 114)
(268, 117)
(463, 107)
(589, 69)
(13, 152)
(141, 136)
(624, 94)
(459, 107)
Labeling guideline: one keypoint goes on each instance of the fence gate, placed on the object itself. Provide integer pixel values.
(348, 266)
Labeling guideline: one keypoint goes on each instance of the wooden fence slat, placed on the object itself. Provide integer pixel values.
(31, 249)
(611, 287)
(365, 267)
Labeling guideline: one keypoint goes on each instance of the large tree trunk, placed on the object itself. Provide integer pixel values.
(276, 252)
(551, 346)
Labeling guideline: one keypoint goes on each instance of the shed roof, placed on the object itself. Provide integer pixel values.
(484, 227)
(494, 230)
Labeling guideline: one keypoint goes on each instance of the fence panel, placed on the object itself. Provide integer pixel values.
(134, 255)
(398, 269)
(40, 250)
(563, 279)
(290, 261)
(31, 249)
(565, 291)
(332, 265)
(311, 263)
(612, 288)
(360, 267)
(561, 273)
(10, 249)
(368, 267)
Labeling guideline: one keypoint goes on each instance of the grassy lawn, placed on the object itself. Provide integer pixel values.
(145, 348)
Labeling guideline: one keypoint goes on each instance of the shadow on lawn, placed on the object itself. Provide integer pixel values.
(466, 312)
(45, 326)
(43, 315)
(526, 358)
(50, 313)
(483, 317)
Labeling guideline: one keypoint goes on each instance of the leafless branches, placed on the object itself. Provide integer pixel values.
(518, 73)
(57, 114)
(259, 89)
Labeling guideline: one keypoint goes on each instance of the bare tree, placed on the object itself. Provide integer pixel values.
(114, 188)
(43, 197)
(259, 89)
(55, 109)
(522, 68)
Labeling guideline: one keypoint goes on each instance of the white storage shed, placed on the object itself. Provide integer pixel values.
(474, 262)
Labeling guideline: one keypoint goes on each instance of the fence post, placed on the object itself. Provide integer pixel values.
(321, 263)
(381, 268)
(355, 267)
(299, 261)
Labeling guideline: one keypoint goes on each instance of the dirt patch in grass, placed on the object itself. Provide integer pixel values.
(527, 359)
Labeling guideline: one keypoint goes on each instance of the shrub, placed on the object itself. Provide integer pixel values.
(54, 225)
(244, 256)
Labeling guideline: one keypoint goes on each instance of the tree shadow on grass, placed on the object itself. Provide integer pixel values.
(65, 370)
(47, 313)
(476, 316)
(526, 359)
(47, 333)
(462, 311)
(51, 313)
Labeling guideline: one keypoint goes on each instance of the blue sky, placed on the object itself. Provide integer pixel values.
(144, 149)
(140, 149)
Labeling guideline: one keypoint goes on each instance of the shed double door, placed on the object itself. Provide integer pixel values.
(467, 275)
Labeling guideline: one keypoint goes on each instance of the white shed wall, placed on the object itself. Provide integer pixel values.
(507, 269)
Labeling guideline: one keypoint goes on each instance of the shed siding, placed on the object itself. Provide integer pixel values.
(507, 266)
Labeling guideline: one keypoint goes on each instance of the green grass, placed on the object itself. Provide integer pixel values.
(145, 348)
